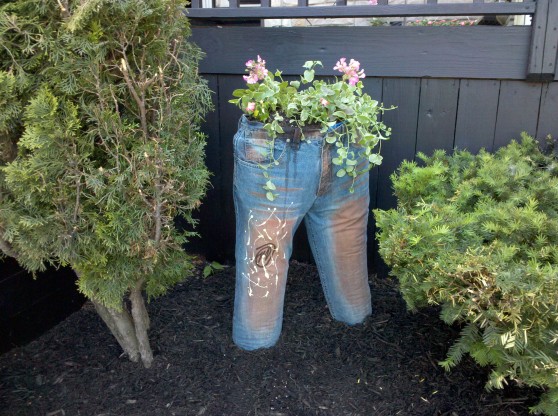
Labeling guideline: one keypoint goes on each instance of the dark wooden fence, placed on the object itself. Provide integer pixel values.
(28, 306)
(464, 87)
(454, 87)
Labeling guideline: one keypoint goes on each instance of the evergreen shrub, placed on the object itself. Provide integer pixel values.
(478, 235)
(100, 105)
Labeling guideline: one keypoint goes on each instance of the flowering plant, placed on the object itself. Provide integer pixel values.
(278, 103)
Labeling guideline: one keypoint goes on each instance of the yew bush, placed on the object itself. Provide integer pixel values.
(478, 235)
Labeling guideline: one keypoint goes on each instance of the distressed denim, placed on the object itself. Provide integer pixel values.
(336, 220)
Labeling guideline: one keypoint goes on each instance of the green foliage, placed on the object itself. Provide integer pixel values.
(278, 103)
(211, 268)
(103, 100)
(478, 235)
(443, 22)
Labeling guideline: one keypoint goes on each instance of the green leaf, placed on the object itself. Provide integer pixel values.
(270, 186)
(217, 266)
(341, 173)
(331, 139)
(375, 158)
(308, 75)
(239, 93)
(269, 195)
(207, 271)
(295, 84)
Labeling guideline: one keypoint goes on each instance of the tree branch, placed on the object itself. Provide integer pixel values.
(6, 247)
(141, 104)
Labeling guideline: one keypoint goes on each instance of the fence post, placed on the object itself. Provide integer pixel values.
(544, 42)
(551, 41)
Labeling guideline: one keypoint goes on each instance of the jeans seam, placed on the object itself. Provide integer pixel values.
(321, 272)
(318, 191)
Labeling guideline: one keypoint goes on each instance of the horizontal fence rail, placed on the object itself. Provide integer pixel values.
(408, 10)
(520, 52)
(442, 52)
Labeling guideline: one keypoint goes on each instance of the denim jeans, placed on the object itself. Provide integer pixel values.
(336, 220)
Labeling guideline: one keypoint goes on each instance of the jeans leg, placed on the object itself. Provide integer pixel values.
(336, 226)
(264, 245)
(264, 235)
(265, 229)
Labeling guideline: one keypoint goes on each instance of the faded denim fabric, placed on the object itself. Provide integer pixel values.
(336, 221)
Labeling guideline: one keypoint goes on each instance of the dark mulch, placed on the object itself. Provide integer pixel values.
(388, 366)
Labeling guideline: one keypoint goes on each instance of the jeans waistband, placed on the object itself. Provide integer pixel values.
(294, 133)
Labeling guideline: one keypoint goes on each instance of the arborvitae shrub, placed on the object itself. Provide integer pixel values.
(100, 105)
(478, 235)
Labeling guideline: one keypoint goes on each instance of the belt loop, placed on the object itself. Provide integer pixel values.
(241, 121)
(296, 137)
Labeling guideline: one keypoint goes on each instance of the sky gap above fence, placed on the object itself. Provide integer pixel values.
(265, 11)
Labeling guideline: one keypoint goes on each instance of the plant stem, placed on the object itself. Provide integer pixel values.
(141, 324)
(121, 326)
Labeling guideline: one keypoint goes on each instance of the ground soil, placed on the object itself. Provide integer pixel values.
(387, 366)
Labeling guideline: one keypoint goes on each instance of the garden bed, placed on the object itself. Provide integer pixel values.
(388, 366)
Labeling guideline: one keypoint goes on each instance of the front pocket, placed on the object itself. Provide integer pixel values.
(256, 148)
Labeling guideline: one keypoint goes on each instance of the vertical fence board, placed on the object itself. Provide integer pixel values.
(518, 109)
(209, 216)
(229, 116)
(549, 111)
(373, 87)
(403, 93)
(476, 114)
(437, 114)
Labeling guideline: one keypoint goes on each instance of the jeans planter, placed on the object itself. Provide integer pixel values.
(336, 221)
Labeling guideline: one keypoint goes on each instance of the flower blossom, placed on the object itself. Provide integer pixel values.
(324, 102)
(251, 106)
(351, 71)
(256, 69)
(373, 2)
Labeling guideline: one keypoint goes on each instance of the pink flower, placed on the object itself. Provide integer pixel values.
(251, 79)
(373, 2)
(324, 102)
(351, 71)
(462, 23)
(257, 71)
(251, 107)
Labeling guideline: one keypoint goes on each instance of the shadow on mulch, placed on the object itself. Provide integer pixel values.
(387, 366)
